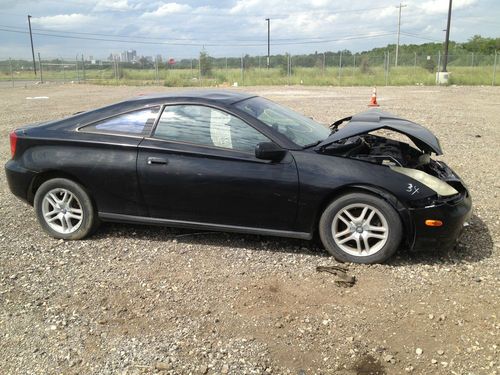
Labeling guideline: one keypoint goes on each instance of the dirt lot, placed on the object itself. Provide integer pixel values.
(136, 299)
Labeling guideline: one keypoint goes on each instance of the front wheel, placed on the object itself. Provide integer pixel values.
(64, 209)
(360, 228)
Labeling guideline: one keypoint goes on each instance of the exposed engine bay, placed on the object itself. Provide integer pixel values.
(383, 151)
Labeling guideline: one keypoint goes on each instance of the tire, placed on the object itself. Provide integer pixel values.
(360, 228)
(64, 209)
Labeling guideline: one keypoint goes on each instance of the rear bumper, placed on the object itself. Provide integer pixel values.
(19, 180)
(453, 214)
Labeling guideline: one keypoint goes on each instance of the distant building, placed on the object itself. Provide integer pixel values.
(128, 56)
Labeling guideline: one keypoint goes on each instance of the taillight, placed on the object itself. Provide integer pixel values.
(13, 143)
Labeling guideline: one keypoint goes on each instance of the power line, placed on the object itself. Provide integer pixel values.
(351, 37)
(418, 36)
(158, 38)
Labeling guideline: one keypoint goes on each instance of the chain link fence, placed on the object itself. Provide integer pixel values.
(335, 69)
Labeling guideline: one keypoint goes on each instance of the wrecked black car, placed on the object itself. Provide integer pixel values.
(230, 161)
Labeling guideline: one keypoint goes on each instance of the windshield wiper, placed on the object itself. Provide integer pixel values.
(309, 145)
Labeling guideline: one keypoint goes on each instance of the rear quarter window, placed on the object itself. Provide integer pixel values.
(137, 123)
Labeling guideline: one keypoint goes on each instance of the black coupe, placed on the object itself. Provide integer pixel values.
(229, 161)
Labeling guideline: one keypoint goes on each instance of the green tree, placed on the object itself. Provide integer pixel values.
(205, 64)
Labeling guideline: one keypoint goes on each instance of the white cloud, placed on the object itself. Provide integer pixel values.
(113, 5)
(64, 21)
(441, 6)
(169, 8)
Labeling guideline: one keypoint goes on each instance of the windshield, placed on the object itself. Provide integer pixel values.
(299, 129)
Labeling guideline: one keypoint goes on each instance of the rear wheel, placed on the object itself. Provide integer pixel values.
(64, 209)
(360, 228)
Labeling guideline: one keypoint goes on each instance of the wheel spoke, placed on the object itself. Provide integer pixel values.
(54, 199)
(365, 242)
(343, 233)
(371, 228)
(349, 215)
(51, 201)
(64, 197)
(68, 198)
(358, 243)
(73, 215)
(69, 225)
(370, 217)
(344, 220)
(57, 217)
(376, 235)
(346, 239)
(50, 213)
(363, 214)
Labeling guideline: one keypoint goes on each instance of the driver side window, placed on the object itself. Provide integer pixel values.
(206, 126)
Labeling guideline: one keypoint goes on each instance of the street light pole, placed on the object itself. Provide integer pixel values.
(447, 41)
(268, 41)
(32, 49)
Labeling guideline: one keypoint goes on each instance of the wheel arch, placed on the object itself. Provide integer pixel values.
(401, 209)
(44, 176)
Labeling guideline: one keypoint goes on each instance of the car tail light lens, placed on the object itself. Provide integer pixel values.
(13, 143)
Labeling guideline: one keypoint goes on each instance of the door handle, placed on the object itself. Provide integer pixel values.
(153, 160)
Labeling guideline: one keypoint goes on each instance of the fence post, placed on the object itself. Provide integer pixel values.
(415, 65)
(40, 66)
(83, 68)
(200, 77)
(354, 65)
(12, 72)
(340, 67)
(242, 68)
(324, 63)
(387, 67)
(76, 68)
(288, 69)
(494, 69)
(472, 59)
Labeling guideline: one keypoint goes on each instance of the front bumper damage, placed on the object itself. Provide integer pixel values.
(455, 215)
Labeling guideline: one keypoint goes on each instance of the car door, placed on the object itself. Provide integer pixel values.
(200, 166)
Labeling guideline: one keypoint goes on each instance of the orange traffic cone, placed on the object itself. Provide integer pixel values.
(373, 100)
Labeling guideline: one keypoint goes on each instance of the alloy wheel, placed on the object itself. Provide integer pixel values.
(62, 211)
(360, 229)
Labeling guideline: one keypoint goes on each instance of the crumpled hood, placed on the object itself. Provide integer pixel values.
(375, 119)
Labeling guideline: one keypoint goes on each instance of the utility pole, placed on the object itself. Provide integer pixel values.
(399, 32)
(447, 41)
(268, 41)
(32, 49)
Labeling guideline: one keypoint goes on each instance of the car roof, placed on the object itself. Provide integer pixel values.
(226, 97)
(210, 96)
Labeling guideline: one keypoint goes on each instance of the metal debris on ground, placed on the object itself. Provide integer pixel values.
(343, 279)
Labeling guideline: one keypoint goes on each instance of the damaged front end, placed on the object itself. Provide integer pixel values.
(355, 141)
(450, 205)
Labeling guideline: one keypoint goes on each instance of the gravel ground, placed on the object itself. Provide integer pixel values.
(137, 299)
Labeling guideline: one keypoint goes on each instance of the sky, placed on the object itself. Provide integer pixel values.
(180, 29)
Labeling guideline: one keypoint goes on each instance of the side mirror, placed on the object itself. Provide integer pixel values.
(269, 151)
